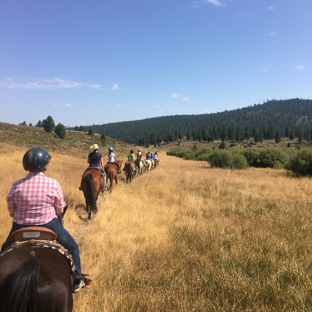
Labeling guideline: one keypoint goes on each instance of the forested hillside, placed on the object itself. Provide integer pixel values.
(271, 120)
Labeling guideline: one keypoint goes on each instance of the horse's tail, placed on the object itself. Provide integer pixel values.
(91, 193)
(18, 292)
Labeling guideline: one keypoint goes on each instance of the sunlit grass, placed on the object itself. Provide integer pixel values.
(186, 237)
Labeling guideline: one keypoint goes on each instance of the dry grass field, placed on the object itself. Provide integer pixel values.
(186, 237)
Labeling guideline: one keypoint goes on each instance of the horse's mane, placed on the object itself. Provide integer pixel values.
(18, 292)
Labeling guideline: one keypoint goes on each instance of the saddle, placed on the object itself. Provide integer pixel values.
(33, 232)
(93, 168)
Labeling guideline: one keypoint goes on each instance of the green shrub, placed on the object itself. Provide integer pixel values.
(251, 154)
(188, 155)
(238, 161)
(268, 157)
(203, 154)
(220, 159)
(301, 163)
(179, 152)
(182, 153)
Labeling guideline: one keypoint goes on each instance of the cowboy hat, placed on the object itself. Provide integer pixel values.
(94, 147)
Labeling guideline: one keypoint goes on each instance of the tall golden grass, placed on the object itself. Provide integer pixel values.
(186, 237)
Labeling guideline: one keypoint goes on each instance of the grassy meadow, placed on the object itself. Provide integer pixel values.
(186, 237)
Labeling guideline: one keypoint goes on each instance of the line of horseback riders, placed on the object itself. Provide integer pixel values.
(135, 165)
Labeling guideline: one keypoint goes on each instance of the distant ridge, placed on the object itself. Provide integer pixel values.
(282, 116)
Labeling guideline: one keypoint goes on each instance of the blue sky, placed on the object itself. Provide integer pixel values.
(87, 62)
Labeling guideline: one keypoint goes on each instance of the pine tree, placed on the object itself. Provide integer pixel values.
(222, 145)
(48, 124)
(60, 131)
(188, 135)
(277, 137)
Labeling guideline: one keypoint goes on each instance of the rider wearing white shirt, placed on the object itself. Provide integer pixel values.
(112, 158)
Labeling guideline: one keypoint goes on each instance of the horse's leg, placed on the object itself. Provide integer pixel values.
(88, 206)
(110, 183)
(89, 212)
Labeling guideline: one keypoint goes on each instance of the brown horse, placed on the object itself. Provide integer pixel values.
(130, 170)
(92, 183)
(35, 278)
(112, 173)
(155, 162)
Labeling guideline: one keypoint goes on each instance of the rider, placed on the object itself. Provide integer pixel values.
(95, 159)
(139, 154)
(138, 159)
(148, 156)
(156, 156)
(37, 200)
(131, 156)
(112, 158)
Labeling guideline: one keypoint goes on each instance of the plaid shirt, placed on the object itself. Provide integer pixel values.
(35, 200)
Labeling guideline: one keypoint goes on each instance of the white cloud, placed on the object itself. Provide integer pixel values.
(177, 96)
(95, 86)
(271, 8)
(69, 105)
(56, 104)
(264, 69)
(51, 84)
(115, 87)
(216, 3)
(300, 67)
(273, 33)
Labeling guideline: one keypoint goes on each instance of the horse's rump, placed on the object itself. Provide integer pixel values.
(112, 173)
(140, 165)
(130, 170)
(92, 183)
(35, 279)
(148, 163)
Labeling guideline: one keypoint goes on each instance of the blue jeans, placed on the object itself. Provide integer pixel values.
(105, 178)
(63, 237)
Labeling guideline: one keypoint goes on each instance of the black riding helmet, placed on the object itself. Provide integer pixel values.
(36, 159)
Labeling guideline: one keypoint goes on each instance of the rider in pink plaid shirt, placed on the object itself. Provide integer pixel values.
(37, 200)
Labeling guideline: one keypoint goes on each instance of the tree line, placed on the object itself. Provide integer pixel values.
(273, 119)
